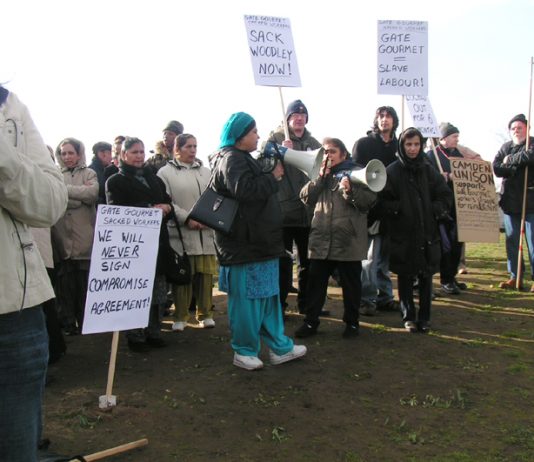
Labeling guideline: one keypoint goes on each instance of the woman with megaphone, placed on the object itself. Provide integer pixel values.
(338, 237)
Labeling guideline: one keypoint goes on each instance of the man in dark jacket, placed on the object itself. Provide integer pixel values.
(101, 160)
(380, 143)
(296, 217)
(511, 164)
(452, 252)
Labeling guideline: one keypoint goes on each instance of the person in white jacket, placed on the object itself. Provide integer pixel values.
(185, 179)
(32, 193)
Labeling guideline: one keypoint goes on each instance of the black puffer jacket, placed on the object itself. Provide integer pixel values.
(373, 146)
(256, 233)
(414, 197)
(513, 174)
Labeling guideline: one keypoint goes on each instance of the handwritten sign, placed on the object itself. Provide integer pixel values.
(423, 115)
(274, 61)
(477, 210)
(123, 264)
(402, 57)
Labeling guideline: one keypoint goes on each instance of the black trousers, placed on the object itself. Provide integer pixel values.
(300, 237)
(351, 286)
(405, 287)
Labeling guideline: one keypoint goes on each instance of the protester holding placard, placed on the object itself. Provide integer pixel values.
(185, 179)
(32, 193)
(381, 144)
(451, 248)
(414, 199)
(72, 235)
(296, 217)
(249, 254)
(137, 186)
(511, 164)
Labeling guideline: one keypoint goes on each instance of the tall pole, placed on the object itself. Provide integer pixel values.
(286, 129)
(525, 188)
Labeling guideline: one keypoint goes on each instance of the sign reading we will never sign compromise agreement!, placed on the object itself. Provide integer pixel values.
(123, 265)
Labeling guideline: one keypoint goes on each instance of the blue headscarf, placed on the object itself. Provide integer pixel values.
(238, 125)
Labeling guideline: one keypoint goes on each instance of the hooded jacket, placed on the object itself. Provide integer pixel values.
(513, 174)
(414, 198)
(32, 193)
(339, 223)
(72, 235)
(294, 213)
(185, 183)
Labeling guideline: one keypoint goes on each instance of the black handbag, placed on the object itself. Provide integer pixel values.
(177, 267)
(213, 209)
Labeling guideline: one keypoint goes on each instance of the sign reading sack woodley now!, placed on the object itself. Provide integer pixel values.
(273, 56)
(123, 265)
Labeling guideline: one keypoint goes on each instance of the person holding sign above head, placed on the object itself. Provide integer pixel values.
(249, 254)
(185, 180)
(137, 186)
(338, 238)
(72, 235)
(511, 164)
(414, 199)
(451, 249)
(295, 215)
(380, 143)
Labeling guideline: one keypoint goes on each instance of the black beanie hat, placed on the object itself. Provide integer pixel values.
(517, 118)
(175, 127)
(446, 129)
(296, 107)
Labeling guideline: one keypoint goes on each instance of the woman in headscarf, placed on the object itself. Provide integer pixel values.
(249, 254)
(137, 186)
(414, 199)
(185, 179)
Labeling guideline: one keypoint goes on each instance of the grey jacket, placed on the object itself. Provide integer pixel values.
(32, 193)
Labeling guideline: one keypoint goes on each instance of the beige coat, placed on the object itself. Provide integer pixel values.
(185, 183)
(72, 235)
(32, 193)
(339, 223)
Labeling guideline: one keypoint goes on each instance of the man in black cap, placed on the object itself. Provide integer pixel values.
(511, 164)
(296, 218)
(380, 143)
(101, 159)
(165, 151)
(451, 249)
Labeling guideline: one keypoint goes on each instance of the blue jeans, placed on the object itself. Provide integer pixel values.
(512, 228)
(23, 363)
(377, 288)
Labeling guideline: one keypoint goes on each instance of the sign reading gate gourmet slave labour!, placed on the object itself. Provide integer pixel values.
(270, 42)
(477, 210)
(402, 57)
(123, 264)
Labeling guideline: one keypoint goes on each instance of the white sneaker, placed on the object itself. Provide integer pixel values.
(250, 363)
(179, 326)
(207, 323)
(297, 352)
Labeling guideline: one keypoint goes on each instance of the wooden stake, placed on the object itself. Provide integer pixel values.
(116, 450)
(525, 187)
(284, 120)
(108, 400)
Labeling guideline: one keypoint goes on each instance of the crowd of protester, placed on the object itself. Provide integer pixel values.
(341, 229)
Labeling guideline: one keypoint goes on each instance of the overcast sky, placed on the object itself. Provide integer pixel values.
(97, 69)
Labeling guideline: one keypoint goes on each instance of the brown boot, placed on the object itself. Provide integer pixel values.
(510, 284)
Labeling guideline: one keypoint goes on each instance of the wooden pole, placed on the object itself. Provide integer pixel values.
(108, 400)
(116, 450)
(402, 113)
(525, 188)
(284, 120)
(436, 155)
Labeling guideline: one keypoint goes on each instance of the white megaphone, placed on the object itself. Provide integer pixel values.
(373, 175)
(307, 161)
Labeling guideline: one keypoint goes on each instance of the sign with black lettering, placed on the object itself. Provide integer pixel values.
(477, 209)
(270, 42)
(402, 57)
(123, 264)
(423, 115)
